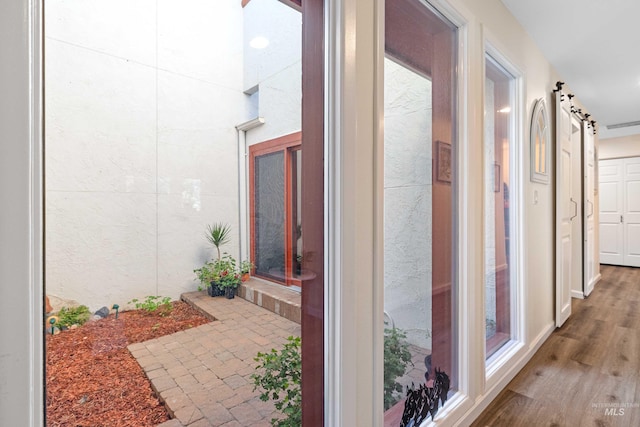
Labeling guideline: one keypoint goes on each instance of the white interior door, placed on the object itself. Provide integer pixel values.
(575, 198)
(631, 214)
(611, 211)
(566, 208)
(588, 212)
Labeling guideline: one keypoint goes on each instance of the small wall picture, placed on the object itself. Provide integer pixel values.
(443, 162)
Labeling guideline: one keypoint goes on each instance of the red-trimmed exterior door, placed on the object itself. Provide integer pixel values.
(275, 203)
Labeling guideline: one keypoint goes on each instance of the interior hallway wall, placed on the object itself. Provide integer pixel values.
(614, 148)
(501, 28)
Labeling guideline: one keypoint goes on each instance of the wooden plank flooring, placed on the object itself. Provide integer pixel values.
(587, 372)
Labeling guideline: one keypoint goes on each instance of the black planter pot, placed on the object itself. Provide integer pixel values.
(230, 293)
(214, 290)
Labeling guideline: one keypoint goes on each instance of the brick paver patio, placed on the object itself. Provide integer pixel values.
(203, 374)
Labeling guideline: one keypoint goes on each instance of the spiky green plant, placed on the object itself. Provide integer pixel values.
(218, 234)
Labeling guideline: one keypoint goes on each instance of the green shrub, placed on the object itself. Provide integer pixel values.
(154, 303)
(396, 359)
(280, 382)
(73, 316)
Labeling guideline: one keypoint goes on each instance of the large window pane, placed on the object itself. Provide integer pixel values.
(499, 87)
(145, 152)
(420, 183)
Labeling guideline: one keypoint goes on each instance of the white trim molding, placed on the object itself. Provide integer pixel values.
(350, 396)
(21, 221)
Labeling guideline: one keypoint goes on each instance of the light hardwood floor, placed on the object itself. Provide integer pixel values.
(587, 372)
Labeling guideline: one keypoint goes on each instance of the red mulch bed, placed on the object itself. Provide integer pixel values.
(93, 380)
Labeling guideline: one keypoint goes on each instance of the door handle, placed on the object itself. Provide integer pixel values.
(575, 209)
(621, 219)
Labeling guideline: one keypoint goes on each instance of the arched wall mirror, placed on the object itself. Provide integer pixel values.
(540, 140)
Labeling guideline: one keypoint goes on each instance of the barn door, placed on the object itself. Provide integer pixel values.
(589, 273)
(566, 208)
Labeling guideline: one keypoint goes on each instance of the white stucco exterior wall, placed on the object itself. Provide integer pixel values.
(273, 74)
(141, 103)
(281, 25)
(407, 202)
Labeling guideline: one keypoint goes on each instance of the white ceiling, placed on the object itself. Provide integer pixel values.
(595, 46)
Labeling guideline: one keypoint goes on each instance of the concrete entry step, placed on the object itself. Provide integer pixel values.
(275, 298)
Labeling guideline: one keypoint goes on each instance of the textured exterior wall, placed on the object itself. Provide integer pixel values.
(281, 25)
(407, 202)
(275, 72)
(142, 99)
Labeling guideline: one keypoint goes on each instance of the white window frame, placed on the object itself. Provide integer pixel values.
(21, 222)
(353, 306)
(354, 255)
(499, 363)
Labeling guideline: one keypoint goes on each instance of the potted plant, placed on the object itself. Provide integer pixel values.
(207, 277)
(229, 283)
(221, 277)
(245, 269)
(226, 275)
(211, 272)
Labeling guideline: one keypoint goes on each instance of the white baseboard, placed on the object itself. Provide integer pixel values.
(592, 285)
(577, 294)
(483, 401)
